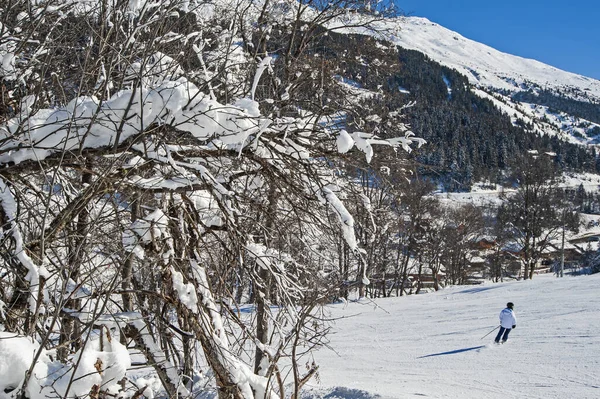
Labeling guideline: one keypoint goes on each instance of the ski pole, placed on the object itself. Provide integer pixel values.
(495, 328)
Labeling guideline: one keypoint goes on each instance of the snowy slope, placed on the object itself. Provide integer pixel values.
(497, 75)
(484, 65)
(494, 74)
(431, 345)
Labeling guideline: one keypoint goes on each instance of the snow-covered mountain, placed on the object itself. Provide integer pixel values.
(486, 66)
(542, 102)
(499, 76)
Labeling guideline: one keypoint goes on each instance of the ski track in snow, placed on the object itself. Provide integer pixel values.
(431, 345)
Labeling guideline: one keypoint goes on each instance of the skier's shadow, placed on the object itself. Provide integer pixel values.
(453, 352)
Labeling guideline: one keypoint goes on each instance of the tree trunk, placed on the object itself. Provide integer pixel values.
(532, 269)
(404, 273)
(419, 277)
(70, 336)
(127, 271)
(264, 288)
(160, 366)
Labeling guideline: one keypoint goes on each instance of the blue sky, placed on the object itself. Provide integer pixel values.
(565, 34)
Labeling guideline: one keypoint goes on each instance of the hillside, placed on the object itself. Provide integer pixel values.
(431, 345)
(535, 98)
(471, 135)
(541, 98)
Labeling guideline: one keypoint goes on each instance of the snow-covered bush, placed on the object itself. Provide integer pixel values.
(158, 178)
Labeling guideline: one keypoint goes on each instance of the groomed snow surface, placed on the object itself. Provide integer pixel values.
(431, 346)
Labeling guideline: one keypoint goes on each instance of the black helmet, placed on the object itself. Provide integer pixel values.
(510, 305)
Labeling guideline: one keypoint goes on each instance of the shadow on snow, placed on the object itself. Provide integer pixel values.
(477, 290)
(453, 352)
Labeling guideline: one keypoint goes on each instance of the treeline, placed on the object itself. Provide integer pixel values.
(470, 138)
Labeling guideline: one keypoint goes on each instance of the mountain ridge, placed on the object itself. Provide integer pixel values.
(484, 65)
(540, 98)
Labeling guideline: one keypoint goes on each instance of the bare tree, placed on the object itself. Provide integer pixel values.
(533, 215)
(465, 226)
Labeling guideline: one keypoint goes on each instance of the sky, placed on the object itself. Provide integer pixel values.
(564, 34)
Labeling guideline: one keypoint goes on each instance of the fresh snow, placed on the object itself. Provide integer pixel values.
(431, 345)
(102, 361)
(448, 86)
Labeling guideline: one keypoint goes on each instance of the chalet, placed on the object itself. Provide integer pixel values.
(477, 267)
(484, 243)
(553, 254)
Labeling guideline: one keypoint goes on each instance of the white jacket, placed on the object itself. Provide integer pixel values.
(507, 318)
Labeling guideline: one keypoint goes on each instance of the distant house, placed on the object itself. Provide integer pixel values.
(574, 250)
(582, 240)
(479, 259)
(485, 244)
(477, 268)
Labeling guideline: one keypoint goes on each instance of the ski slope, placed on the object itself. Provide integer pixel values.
(431, 345)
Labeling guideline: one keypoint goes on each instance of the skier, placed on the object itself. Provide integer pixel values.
(508, 321)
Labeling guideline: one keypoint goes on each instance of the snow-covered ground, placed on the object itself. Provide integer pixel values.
(431, 345)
